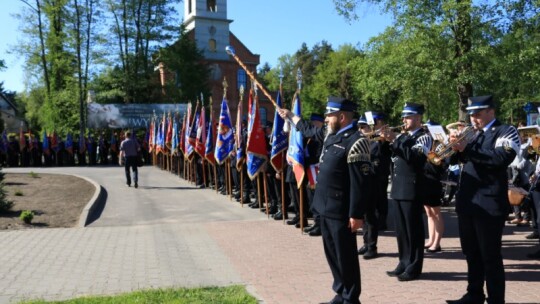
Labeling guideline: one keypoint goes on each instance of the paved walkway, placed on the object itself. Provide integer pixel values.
(169, 234)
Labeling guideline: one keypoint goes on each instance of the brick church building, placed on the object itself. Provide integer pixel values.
(206, 22)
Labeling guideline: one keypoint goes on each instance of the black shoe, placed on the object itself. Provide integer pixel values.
(308, 228)
(532, 236)
(278, 216)
(336, 300)
(272, 210)
(200, 186)
(136, 185)
(128, 184)
(534, 255)
(315, 231)
(437, 249)
(362, 250)
(293, 221)
(468, 299)
(405, 276)
(370, 254)
(297, 225)
(394, 273)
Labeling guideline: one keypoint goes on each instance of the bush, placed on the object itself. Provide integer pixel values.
(18, 193)
(5, 205)
(27, 216)
(33, 174)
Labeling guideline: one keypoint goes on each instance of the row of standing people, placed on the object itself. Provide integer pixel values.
(344, 195)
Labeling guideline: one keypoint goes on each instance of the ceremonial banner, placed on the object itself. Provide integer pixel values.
(240, 153)
(209, 151)
(257, 155)
(200, 142)
(312, 175)
(174, 140)
(69, 143)
(225, 139)
(295, 153)
(278, 140)
(46, 149)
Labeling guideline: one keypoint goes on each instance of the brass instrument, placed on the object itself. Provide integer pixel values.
(444, 151)
(376, 135)
(532, 132)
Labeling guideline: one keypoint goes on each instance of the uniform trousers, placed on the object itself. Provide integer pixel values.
(371, 229)
(410, 236)
(340, 248)
(131, 162)
(481, 241)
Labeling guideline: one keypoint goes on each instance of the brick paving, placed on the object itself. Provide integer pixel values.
(168, 234)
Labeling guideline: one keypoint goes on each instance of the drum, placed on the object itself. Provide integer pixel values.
(516, 195)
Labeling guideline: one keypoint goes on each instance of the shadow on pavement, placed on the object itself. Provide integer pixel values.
(98, 207)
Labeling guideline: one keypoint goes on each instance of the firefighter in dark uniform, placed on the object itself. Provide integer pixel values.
(409, 154)
(482, 199)
(342, 192)
(371, 225)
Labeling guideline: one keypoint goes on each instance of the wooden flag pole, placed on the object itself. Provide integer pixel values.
(301, 190)
(215, 177)
(242, 188)
(283, 209)
(265, 195)
(203, 171)
(259, 190)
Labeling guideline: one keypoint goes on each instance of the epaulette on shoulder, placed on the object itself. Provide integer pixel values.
(360, 151)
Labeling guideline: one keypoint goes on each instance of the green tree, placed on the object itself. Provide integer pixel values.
(138, 28)
(455, 19)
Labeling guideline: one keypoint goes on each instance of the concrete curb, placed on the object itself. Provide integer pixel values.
(92, 204)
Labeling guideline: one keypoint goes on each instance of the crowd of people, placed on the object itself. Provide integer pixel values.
(355, 159)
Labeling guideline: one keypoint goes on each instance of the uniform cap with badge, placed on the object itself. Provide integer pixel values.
(411, 109)
(479, 103)
(337, 104)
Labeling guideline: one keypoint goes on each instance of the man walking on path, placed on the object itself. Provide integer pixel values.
(129, 151)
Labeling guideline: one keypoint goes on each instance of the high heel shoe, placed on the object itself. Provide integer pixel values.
(427, 246)
(437, 249)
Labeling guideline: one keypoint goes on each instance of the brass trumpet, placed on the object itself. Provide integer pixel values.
(443, 151)
(376, 135)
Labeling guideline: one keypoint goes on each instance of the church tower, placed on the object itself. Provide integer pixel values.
(208, 21)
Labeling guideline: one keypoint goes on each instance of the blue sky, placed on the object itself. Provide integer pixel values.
(268, 28)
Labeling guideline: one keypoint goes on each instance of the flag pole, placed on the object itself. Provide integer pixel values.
(265, 194)
(230, 50)
(259, 190)
(301, 186)
(283, 210)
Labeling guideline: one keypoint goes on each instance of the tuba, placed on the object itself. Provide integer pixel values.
(443, 151)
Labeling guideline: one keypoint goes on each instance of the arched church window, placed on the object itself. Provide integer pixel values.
(241, 78)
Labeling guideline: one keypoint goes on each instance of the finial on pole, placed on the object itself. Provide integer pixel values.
(299, 79)
(280, 75)
(230, 50)
(225, 86)
(241, 92)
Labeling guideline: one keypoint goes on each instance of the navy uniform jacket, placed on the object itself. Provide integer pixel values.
(409, 156)
(345, 173)
(483, 189)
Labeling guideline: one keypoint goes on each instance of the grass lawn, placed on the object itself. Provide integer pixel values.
(225, 295)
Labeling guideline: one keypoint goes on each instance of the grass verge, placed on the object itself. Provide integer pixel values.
(225, 295)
